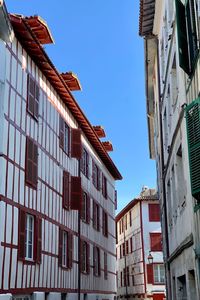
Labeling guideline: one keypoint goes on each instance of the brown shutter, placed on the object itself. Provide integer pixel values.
(115, 199)
(22, 233)
(150, 273)
(156, 241)
(31, 95)
(99, 261)
(76, 147)
(88, 258)
(98, 217)
(94, 214)
(35, 164)
(70, 250)
(131, 244)
(31, 165)
(81, 255)
(93, 173)
(88, 210)
(37, 97)
(60, 245)
(61, 132)
(105, 266)
(38, 240)
(66, 189)
(76, 193)
(154, 212)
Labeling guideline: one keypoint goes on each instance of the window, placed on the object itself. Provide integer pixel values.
(96, 261)
(105, 223)
(64, 136)
(154, 213)
(131, 244)
(187, 34)
(85, 163)
(65, 249)
(30, 237)
(85, 257)
(121, 278)
(130, 217)
(105, 265)
(127, 247)
(124, 271)
(31, 165)
(21, 297)
(85, 208)
(159, 273)
(123, 249)
(29, 241)
(156, 241)
(96, 210)
(104, 186)
(127, 276)
(65, 190)
(95, 175)
(33, 98)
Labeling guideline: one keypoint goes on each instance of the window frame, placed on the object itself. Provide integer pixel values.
(104, 186)
(159, 282)
(95, 175)
(63, 141)
(96, 216)
(85, 213)
(96, 261)
(27, 237)
(85, 162)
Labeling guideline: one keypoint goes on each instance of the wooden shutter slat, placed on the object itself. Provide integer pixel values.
(60, 245)
(76, 146)
(22, 234)
(150, 273)
(76, 193)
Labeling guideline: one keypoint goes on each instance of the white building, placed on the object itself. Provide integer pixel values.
(139, 239)
(57, 182)
(171, 39)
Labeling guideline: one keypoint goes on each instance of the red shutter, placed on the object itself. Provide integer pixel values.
(65, 189)
(156, 241)
(70, 250)
(31, 95)
(88, 210)
(60, 245)
(31, 164)
(154, 213)
(88, 258)
(76, 193)
(38, 240)
(22, 232)
(61, 132)
(76, 147)
(150, 273)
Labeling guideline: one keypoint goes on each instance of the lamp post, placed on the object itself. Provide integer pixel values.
(150, 258)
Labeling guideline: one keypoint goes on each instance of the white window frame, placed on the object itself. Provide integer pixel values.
(157, 268)
(64, 249)
(29, 241)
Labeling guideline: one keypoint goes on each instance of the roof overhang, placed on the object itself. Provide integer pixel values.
(72, 81)
(146, 19)
(150, 54)
(99, 131)
(6, 30)
(30, 42)
(108, 146)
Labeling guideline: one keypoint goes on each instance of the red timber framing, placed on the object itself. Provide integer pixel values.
(49, 199)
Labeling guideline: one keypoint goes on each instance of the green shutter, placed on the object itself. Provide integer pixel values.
(192, 31)
(193, 135)
(182, 36)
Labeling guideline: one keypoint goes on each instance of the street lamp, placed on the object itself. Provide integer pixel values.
(150, 258)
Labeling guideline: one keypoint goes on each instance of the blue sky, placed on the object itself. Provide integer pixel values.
(98, 40)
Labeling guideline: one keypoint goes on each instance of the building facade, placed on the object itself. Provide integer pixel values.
(57, 182)
(138, 242)
(171, 39)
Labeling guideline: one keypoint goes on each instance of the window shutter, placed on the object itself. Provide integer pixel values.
(31, 162)
(61, 133)
(38, 240)
(31, 95)
(22, 232)
(76, 193)
(98, 217)
(154, 212)
(105, 266)
(156, 241)
(66, 189)
(99, 261)
(182, 36)
(37, 97)
(88, 210)
(193, 136)
(93, 172)
(130, 216)
(70, 250)
(88, 258)
(150, 273)
(94, 260)
(76, 146)
(60, 244)
(81, 255)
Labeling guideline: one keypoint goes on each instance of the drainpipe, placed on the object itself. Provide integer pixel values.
(168, 290)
